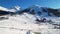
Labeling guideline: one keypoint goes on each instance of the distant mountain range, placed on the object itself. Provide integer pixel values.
(42, 11)
(36, 10)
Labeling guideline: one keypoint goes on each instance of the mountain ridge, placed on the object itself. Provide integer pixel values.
(37, 10)
(41, 10)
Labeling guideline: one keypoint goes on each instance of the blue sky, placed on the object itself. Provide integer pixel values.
(27, 3)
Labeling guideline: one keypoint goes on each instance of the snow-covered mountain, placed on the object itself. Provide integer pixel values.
(42, 11)
(9, 11)
(32, 20)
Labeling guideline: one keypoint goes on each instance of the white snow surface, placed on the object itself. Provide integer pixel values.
(14, 9)
(21, 24)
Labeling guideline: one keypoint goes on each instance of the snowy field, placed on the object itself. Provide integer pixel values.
(23, 24)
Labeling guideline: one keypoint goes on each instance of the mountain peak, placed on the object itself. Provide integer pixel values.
(17, 7)
(35, 6)
(41, 11)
